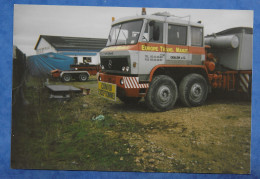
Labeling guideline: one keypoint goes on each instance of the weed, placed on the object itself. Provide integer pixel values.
(51, 134)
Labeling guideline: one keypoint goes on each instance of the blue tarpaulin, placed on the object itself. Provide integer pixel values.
(41, 65)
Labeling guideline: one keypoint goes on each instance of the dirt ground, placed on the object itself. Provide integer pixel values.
(213, 138)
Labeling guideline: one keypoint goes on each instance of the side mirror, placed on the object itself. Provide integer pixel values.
(151, 23)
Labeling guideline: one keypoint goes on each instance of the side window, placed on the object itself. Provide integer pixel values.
(151, 31)
(196, 36)
(157, 28)
(177, 35)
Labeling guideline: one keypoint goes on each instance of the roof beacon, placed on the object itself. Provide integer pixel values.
(143, 11)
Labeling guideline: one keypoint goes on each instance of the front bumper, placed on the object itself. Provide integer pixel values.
(126, 85)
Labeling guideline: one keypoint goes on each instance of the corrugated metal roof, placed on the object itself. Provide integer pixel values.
(235, 30)
(62, 42)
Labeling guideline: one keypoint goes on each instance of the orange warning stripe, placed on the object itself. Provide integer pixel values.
(133, 82)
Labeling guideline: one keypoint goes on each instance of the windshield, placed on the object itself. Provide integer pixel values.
(126, 33)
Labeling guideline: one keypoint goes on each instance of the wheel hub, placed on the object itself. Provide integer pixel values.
(164, 93)
(83, 77)
(196, 91)
(66, 77)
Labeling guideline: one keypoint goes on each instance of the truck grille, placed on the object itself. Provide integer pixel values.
(114, 63)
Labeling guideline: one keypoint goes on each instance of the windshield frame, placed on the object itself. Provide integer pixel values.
(120, 24)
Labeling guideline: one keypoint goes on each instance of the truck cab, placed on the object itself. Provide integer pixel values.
(137, 44)
(142, 47)
(164, 58)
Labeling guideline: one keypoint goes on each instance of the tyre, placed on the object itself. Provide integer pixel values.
(130, 100)
(193, 90)
(83, 77)
(162, 93)
(66, 77)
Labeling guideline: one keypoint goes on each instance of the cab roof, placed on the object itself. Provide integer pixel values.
(163, 17)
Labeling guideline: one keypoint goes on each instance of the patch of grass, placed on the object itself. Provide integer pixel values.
(52, 134)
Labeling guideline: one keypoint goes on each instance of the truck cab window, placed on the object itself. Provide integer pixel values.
(152, 31)
(177, 35)
(125, 33)
(196, 36)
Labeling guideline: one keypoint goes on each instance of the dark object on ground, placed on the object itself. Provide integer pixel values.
(62, 91)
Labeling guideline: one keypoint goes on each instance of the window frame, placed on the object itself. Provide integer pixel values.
(179, 25)
(146, 24)
(202, 38)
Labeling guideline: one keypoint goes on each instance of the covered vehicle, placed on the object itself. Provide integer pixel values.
(42, 65)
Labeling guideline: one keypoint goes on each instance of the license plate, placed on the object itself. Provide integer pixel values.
(107, 90)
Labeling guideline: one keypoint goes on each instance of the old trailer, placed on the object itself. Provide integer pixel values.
(79, 72)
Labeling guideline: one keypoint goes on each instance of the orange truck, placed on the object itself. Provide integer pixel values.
(164, 58)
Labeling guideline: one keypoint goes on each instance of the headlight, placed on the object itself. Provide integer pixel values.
(102, 67)
(127, 68)
(99, 78)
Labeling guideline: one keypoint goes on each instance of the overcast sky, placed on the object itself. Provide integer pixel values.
(31, 21)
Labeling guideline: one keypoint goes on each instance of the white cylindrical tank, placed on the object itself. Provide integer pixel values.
(227, 41)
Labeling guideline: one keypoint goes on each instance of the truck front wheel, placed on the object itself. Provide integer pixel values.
(83, 77)
(162, 93)
(66, 77)
(193, 90)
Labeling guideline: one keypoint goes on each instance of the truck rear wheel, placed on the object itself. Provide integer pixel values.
(66, 77)
(193, 90)
(162, 93)
(83, 77)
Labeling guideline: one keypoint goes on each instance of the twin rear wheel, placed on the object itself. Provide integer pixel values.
(193, 90)
(66, 77)
(163, 92)
(83, 77)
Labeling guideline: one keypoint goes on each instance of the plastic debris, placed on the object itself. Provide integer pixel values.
(98, 118)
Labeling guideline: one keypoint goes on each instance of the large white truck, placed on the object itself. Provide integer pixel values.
(163, 58)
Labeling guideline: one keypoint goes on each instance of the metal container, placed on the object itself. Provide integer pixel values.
(233, 48)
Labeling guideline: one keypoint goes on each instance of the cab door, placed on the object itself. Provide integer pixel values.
(151, 47)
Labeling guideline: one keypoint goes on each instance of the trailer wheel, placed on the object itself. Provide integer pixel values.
(130, 100)
(162, 93)
(193, 90)
(66, 77)
(83, 77)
